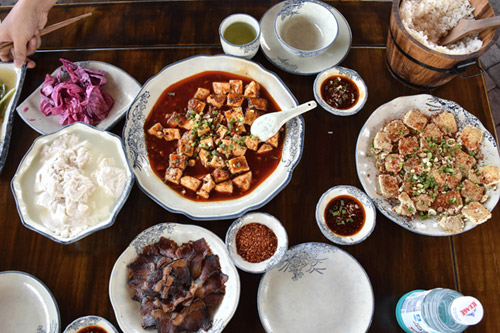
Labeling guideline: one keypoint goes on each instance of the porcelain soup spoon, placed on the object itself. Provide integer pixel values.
(269, 124)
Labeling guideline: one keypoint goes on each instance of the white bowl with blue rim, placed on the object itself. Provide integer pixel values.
(269, 221)
(246, 50)
(27, 305)
(40, 219)
(349, 74)
(90, 321)
(368, 207)
(13, 78)
(155, 188)
(306, 28)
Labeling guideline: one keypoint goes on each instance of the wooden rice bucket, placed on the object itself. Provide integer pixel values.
(418, 66)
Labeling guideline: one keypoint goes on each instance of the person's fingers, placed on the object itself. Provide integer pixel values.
(5, 55)
(19, 52)
(33, 45)
(30, 63)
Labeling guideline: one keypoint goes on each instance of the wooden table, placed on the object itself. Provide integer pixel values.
(142, 37)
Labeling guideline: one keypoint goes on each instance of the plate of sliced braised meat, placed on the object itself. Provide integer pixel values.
(174, 278)
(187, 137)
(429, 165)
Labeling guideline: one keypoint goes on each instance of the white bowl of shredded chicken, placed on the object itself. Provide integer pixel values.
(72, 183)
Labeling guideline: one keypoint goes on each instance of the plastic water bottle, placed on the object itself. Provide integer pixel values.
(437, 311)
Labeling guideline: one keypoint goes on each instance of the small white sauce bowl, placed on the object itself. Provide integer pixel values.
(305, 28)
(369, 208)
(272, 223)
(248, 50)
(87, 321)
(345, 72)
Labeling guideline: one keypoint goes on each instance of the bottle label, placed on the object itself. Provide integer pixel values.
(411, 313)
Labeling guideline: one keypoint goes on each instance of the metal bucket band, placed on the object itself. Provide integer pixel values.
(458, 69)
(406, 82)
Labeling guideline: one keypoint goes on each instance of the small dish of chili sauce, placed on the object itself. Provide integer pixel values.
(345, 215)
(256, 242)
(340, 91)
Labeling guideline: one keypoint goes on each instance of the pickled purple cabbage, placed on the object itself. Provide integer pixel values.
(76, 94)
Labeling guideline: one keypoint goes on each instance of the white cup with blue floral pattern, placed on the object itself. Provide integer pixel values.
(306, 28)
(240, 35)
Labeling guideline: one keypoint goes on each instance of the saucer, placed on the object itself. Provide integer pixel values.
(275, 52)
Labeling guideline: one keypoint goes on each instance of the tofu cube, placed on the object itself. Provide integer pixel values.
(408, 145)
(476, 213)
(225, 187)
(156, 130)
(470, 137)
(274, 140)
(216, 100)
(252, 142)
(251, 115)
(196, 105)
(243, 181)
(257, 103)
(396, 130)
(177, 161)
(264, 148)
(236, 120)
(389, 186)
(235, 99)
(171, 134)
(201, 94)
(446, 123)
(383, 142)
(236, 86)
(221, 175)
(252, 90)
(191, 183)
(207, 186)
(173, 175)
(238, 164)
(221, 88)
(415, 119)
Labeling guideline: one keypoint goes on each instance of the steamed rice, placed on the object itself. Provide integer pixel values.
(429, 20)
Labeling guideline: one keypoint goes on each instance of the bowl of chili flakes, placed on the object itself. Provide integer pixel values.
(256, 242)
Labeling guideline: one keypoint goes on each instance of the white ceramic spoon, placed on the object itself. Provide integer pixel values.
(269, 124)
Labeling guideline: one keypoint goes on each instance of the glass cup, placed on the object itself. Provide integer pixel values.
(240, 35)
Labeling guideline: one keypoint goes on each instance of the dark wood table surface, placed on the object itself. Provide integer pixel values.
(143, 37)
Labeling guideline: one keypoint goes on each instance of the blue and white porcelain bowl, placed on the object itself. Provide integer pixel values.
(306, 28)
(368, 207)
(247, 50)
(269, 221)
(87, 321)
(103, 207)
(351, 75)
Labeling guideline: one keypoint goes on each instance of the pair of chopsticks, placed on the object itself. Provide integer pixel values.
(51, 28)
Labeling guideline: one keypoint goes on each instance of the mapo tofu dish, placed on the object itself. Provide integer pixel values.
(198, 136)
(430, 168)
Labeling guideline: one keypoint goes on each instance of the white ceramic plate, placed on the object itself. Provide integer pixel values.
(317, 287)
(33, 216)
(396, 109)
(86, 321)
(127, 310)
(120, 85)
(153, 186)
(13, 77)
(26, 304)
(276, 53)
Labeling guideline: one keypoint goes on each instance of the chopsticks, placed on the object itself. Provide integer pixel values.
(51, 28)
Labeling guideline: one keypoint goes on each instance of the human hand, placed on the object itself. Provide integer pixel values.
(22, 26)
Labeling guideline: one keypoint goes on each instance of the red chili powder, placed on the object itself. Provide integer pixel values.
(256, 242)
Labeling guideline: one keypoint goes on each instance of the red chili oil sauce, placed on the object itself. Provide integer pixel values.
(92, 329)
(345, 215)
(339, 92)
(175, 98)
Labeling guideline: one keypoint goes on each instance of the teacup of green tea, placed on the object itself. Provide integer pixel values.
(239, 35)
